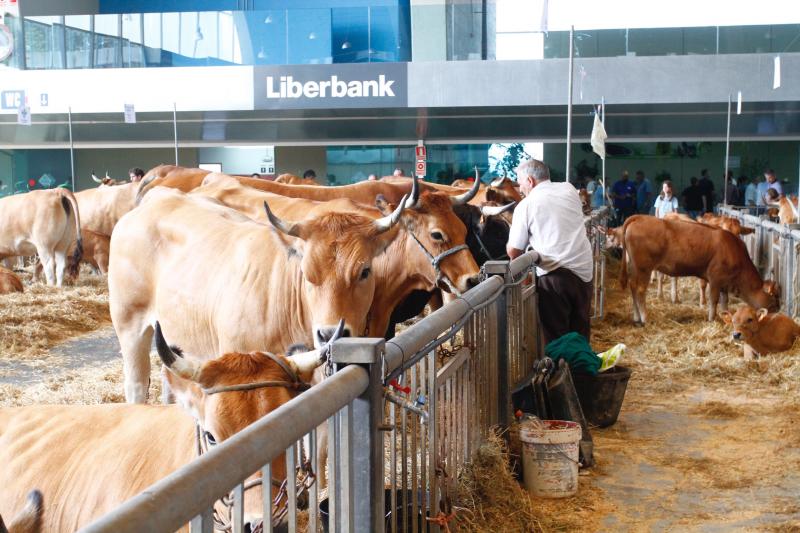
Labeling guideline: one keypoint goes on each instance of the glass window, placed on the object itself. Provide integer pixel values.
(611, 43)
(655, 41)
(132, 27)
(387, 33)
(785, 38)
(170, 32)
(350, 34)
(39, 43)
(227, 39)
(152, 30)
(520, 45)
(309, 36)
(700, 41)
(268, 36)
(744, 39)
(79, 41)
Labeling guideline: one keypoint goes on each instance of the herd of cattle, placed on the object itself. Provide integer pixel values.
(227, 266)
(224, 267)
(710, 249)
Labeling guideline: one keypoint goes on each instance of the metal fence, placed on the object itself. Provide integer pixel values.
(775, 251)
(402, 418)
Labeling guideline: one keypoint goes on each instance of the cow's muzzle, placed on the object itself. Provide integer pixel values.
(323, 334)
(737, 335)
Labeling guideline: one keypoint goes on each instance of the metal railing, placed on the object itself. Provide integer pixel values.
(775, 251)
(403, 417)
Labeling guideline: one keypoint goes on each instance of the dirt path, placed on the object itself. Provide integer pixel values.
(705, 442)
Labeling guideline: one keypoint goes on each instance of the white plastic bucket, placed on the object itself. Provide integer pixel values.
(550, 457)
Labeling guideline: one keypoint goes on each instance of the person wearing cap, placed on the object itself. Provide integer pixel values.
(550, 221)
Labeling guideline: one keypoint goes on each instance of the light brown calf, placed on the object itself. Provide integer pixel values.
(762, 332)
(9, 282)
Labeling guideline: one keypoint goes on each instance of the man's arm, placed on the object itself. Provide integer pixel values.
(513, 253)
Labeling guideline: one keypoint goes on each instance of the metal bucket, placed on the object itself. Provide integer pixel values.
(550, 457)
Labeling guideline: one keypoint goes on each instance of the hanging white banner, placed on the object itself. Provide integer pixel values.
(739, 103)
(599, 136)
(130, 114)
(776, 80)
(24, 115)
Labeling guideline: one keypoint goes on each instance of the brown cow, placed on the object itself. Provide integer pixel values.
(762, 332)
(107, 181)
(103, 206)
(680, 248)
(9, 282)
(29, 519)
(44, 223)
(181, 178)
(88, 459)
(95, 253)
(727, 223)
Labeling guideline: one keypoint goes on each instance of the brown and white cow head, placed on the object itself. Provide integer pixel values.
(746, 321)
(335, 251)
(429, 216)
(107, 181)
(222, 413)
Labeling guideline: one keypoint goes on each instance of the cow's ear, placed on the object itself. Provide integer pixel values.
(762, 314)
(726, 317)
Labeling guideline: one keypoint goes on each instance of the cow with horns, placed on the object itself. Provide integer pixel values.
(88, 459)
(222, 282)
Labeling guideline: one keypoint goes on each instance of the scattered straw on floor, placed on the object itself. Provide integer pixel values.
(39, 318)
(679, 348)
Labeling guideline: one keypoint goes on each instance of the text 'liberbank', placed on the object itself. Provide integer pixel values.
(334, 87)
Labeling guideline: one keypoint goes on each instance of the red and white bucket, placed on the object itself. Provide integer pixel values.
(550, 457)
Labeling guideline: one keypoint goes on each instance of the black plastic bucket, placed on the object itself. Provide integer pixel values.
(406, 517)
(601, 396)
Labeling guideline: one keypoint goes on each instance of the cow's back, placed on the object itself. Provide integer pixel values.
(203, 270)
(102, 207)
(87, 460)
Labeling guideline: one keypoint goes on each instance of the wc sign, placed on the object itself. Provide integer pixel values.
(331, 86)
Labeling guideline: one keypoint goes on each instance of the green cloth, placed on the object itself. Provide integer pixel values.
(575, 350)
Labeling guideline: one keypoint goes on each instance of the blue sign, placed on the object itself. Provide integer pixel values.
(11, 99)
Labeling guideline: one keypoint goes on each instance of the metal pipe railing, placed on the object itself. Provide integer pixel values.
(172, 502)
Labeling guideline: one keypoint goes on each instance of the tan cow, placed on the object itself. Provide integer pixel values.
(88, 459)
(222, 282)
(401, 269)
(43, 222)
(107, 181)
(9, 282)
(182, 178)
(291, 179)
(29, 519)
(762, 332)
(680, 248)
(102, 207)
(727, 223)
(95, 253)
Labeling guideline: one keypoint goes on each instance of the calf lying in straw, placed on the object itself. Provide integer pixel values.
(9, 282)
(762, 332)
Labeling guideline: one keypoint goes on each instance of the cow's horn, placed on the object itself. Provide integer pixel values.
(289, 228)
(95, 178)
(386, 223)
(494, 210)
(462, 199)
(497, 182)
(307, 361)
(412, 199)
(107, 176)
(175, 362)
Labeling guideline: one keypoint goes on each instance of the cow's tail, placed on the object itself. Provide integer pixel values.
(69, 203)
(623, 272)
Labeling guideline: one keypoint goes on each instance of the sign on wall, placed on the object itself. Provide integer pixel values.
(330, 86)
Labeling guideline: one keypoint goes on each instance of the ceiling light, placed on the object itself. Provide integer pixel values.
(268, 20)
(312, 36)
(346, 45)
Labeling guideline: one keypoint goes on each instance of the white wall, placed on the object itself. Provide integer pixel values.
(240, 160)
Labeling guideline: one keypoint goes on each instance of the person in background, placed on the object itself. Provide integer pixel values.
(624, 195)
(693, 199)
(136, 174)
(397, 172)
(772, 181)
(751, 196)
(549, 219)
(761, 188)
(644, 193)
(591, 187)
(255, 175)
(372, 177)
(707, 189)
(310, 175)
(666, 202)
(731, 191)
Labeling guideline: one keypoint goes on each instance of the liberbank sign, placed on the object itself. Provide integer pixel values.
(352, 85)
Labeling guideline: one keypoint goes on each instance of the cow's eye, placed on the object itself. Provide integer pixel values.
(437, 236)
(365, 272)
(749, 320)
(210, 438)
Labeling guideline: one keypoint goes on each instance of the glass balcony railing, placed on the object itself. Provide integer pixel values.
(288, 36)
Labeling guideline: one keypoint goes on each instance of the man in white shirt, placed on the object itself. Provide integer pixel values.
(772, 181)
(550, 220)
